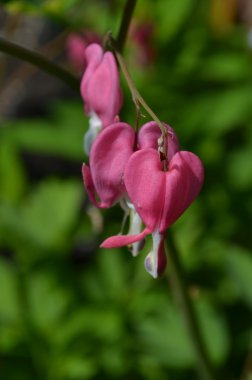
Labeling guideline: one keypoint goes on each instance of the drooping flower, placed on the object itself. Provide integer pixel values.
(148, 137)
(159, 197)
(116, 173)
(100, 91)
(109, 155)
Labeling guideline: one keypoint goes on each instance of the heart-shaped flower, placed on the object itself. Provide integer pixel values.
(159, 197)
(109, 154)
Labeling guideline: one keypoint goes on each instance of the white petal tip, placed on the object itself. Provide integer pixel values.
(150, 268)
(95, 125)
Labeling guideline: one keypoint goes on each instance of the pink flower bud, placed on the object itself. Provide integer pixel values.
(100, 88)
(100, 91)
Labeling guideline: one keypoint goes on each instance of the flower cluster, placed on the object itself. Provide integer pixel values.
(125, 166)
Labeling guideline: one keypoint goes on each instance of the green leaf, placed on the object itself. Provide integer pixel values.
(9, 297)
(12, 176)
(110, 283)
(47, 301)
(240, 168)
(214, 331)
(73, 367)
(62, 135)
(218, 113)
(226, 66)
(11, 335)
(51, 210)
(171, 15)
(93, 322)
(239, 269)
(166, 338)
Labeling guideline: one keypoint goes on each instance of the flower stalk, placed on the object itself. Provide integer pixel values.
(138, 100)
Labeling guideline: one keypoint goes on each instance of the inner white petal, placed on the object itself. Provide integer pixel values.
(151, 261)
(95, 125)
(135, 229)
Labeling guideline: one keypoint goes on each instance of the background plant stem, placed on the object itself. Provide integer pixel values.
(177, 275)
(40, 61)
(125, 23)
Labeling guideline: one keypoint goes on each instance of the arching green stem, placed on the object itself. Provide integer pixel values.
(39, 61)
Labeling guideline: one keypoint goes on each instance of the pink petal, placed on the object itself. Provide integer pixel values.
(184, 180)
(121, 240)
(75, 46)
(89, 185)
(150, 133)
(145, 184)
(100, 86)
(104, 92)
(109, 154)
(161, 197)
(93, 57)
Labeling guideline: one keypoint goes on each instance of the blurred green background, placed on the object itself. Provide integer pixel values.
(68, 310)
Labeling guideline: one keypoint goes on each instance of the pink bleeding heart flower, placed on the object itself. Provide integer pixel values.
(160, 198)
(148, 137)
(109, 155)
(100, 91)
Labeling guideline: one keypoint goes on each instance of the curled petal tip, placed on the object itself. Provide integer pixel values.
(122, 240)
